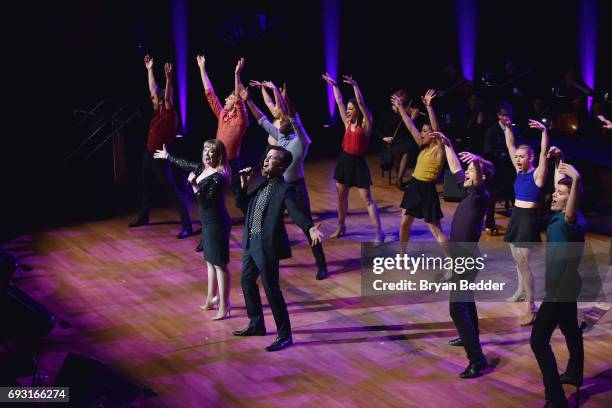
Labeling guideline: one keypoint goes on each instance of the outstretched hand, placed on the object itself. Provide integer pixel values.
(148, 61)
(161, 154)
(427, 98)
(467, 157)
(396, 102)
(534, 124)
(255, 84)
(441, 137)
(348, 79)
(243, 92)
(607, 123)
(329, 79)
(239, 66)
(555, 152)
(201, 61)
(569, 170)
(168, 70)
(269, 84)
(315, 234)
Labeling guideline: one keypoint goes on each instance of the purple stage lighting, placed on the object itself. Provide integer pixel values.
(179, 27)
(465, 11)
(587, 42)
(331, 38)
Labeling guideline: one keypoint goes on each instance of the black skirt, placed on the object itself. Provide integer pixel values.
(215, 242)
(421, 200)
(523, 228)
(352, 171)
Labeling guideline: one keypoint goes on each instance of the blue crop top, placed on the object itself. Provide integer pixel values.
(525, 188)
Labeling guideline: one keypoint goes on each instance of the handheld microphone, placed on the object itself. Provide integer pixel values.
(249, 170)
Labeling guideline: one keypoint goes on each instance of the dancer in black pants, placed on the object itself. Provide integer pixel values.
(292, 136)
(564, 249)
(464, 236)
(162, 131)
(263, 198)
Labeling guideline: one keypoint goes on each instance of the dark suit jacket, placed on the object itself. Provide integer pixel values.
(274, 235)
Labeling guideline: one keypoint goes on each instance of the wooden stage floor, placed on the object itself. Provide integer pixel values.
(132, 297)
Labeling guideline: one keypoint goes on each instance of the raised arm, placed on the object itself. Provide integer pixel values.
(265, 95)
(433, 119)
(367, 115)
(168, 94)
(454, 164)
(148, 61)
(557, 154)
(573, 201)
(278, 100)
(542, 170)
(338, 96)
(294, 119)
(510, 143)
(237, 71)
(416, 135)
(183, 164)
(211, 97)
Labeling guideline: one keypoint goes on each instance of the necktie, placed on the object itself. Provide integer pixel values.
(260, 205)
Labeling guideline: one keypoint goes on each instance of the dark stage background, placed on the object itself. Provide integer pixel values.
(70, 55)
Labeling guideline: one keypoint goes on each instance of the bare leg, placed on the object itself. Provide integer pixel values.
(403, 167)
(343, 192)
(520, 290)
(223, 277)
(405, 226)
(212, 288)
(366, 197)
(522, 256)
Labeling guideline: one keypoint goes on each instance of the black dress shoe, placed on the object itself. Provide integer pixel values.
(280, 343)
(250, 331)
(570, 379)
(138, 222)
(185, 232)
(456, 342)
(199, 248)
(473, 370)
(322, 273)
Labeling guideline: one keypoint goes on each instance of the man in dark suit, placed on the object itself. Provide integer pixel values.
(263, 198)
(496, 152)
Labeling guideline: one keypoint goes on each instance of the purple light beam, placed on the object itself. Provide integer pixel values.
(179, 28)
(587, 42)
(331, 38)
(466, 12)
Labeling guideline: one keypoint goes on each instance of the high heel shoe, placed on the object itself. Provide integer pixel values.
(340, 232)
(517, 297)
(380, 239)
(528, 319)
(210, 305)
(225, 315)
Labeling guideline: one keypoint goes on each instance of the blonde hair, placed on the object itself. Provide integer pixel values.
(222, 163)
(527, 148)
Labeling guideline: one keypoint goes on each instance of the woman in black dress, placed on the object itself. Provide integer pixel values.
(209, 181)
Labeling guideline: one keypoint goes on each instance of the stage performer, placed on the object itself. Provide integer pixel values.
(565, 245)
(263, 197)
(352, 169)
(209, 181)
(292, 136)
(523, 228)
(162, 130)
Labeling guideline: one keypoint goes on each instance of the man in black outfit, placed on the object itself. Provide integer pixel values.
(162, 131)
(496, 152)
(464, 236)
(564, 248)
(263, 199)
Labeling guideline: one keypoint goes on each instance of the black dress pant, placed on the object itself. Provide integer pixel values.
(463, 311)
(565, 315)
(160, 171)
(302, 196)
(254, 263)
(501, 187)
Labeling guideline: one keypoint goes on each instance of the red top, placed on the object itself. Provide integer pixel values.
(356, 141)
(231, 128)
(162, 129)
